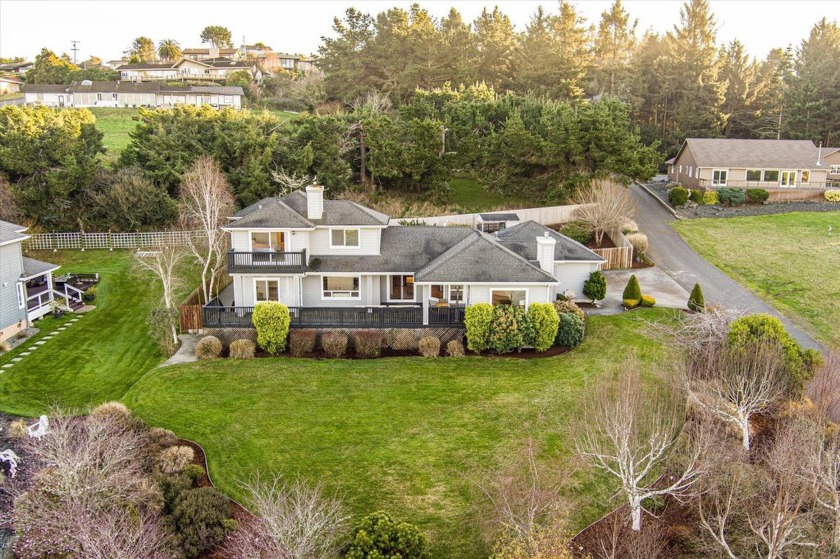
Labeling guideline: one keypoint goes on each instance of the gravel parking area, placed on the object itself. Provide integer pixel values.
(661, 191)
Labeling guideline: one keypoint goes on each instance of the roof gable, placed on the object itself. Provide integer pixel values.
(758, 154)
(338, 212)
(522, 239)
(269, 213)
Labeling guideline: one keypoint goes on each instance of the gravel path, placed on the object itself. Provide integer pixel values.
(661, 191)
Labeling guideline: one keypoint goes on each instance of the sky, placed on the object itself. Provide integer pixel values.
(106, 27)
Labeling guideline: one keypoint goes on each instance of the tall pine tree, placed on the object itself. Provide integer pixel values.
(614, 46)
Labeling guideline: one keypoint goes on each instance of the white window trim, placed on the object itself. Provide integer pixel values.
(330, 298)
(270, 233)
(345, 229)
(414, 295)
(789, 183)
(255, 280)
(716, 182)
(765, 179)
(21, 294)
(834, 169)
(447, 292)
(525, 289)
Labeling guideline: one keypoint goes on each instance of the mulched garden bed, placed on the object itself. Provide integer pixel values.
(526, 353)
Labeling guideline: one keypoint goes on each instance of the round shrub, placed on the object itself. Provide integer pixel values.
(632, 291)
(545, 321)
(454, 348)
(368, 343)
(271, 319)
(647, 301)
(302, 342)
(595, 288)
(710, 198)
(159, 438)
(569, 330)
(194, 472)
(832, 195)
(569, 307)
(17, 430)
(201, 519)
(378, 536)
(429, 346)
(678, 196)
(242, 349)
(631, 303)
(757, 195)
(477, 319)
(696, 301)
(696, 196)
(639, 241)
(175, 459)
(628, 226)
(732, 196)
(506, 332)
(208, 347)
(334, 344)
(111, 410)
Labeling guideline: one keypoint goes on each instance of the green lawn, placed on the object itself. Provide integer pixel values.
(401, 434)
(99, 357)
(468, 193)
(789, 260)
(115, 124)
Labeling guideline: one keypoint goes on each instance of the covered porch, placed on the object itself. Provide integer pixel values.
(36, 284)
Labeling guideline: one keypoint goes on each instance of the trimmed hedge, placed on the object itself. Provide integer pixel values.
(545, 321)
(302, 341)
(631, 303)
(508, 330)
(757, 195)
(696, 196)
(570, 330)
(678, 196)
(696, 301)
(368, 343)
(832, 195)
(271, 319)
(710, 198)
(242, 349)
(633, 290)
(429, 346)
(595, 287)
(732, 196)
(334, 344)
(477, 320)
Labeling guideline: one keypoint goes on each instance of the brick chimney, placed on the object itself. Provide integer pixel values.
(545, 252)
(314, 202)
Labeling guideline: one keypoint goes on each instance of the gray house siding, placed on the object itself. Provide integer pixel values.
(10, 272)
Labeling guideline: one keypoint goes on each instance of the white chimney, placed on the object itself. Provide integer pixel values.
(314, 201)
(545, 252)
(213, 52)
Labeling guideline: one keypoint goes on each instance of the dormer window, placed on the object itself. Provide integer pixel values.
(344, 238)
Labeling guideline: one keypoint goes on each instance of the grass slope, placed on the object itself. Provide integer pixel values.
(115, 124)
(401, 434)
(468, 193)
(789, 260)
(98, 358)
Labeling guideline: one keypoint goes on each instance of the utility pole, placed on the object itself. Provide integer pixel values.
(75, 49)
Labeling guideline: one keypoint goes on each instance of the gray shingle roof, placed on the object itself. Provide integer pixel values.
(522, 239)
(403, 249)
(499, 217)
(11, 232)
(32, 267)
(269, 212)
(43, 88)
(147, 66)
(338, 212)
(480, 258)
(759, 154)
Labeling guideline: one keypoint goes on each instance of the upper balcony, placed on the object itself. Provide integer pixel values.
(266, 261)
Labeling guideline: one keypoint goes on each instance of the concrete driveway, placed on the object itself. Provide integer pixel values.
(673, 255)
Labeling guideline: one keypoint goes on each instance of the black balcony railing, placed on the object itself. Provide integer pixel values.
(268, 261)
(217, 316)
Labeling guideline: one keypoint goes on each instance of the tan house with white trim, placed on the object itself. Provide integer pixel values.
(774, 165)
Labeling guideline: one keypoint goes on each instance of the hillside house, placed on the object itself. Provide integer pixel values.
(131, 94)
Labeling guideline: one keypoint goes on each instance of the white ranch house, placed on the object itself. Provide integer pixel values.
(130, 94)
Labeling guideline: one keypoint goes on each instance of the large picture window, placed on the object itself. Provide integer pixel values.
(340, 287)
(513, 297)
(344, 238)
(263, 241)
(771, 175)
(266, 290)
(402, 288)
(753, 174)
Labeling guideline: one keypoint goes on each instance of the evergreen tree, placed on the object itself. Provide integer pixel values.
(49, 68)
(776, 72)
(614, 46)
(573, 56)
(342, 59)
(457, 51)
(142, 49)
(696, 301)
(496, 43)
(217, 35)
(743, 84)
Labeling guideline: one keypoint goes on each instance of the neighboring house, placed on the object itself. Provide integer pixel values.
(769, 164)
(337, 263)
(209, 53)
(9, 85)
(131, 94)
(26, 284)
(832, 158)
(19, 68)
(114, 64)
(215, 69)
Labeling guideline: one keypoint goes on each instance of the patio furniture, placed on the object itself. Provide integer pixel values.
(38, 430)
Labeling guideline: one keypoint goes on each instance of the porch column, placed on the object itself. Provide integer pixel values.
(50, 285)
(425, 299)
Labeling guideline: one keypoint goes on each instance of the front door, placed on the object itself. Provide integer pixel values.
(787, 179)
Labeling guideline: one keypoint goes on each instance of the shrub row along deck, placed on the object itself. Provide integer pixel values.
(218, 316)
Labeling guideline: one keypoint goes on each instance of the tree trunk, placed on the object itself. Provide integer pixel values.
(744, 424)
(362, 169)
(636, 513)
(837, 528)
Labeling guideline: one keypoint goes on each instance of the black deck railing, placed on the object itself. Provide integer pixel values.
(218, 316)
(269, 261)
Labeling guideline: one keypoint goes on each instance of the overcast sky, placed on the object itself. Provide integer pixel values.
(105, 28)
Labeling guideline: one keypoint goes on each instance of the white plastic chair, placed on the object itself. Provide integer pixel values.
(39, 429)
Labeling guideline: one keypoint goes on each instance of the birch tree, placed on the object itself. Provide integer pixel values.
(821, 468)
(206, 203)
(165, 264)
(629, 432)
(734, 385)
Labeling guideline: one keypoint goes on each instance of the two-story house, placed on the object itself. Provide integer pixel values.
(26, 284)
(337, 263)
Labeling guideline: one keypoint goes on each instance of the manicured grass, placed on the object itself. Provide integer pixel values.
(789, 260)
(469, 194)
(115, 124)
(402, 434)
(99, 357)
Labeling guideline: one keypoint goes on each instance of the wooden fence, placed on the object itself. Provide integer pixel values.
(82, 240)
(190, 311)
(620, 257)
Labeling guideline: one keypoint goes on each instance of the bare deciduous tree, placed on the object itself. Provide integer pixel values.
(697, 333)
(294, 521)
(824, 388)
(820, 465)
(164, 263)
(206, 202)
(735, 384)
(629, 432)
(604, 205)
(289, 183)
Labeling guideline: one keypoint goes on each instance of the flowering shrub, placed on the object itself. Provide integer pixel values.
(832, 195)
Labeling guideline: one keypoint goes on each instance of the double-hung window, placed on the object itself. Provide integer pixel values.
(788, 179)
(340, 287)
(344, 238)
(266, 290)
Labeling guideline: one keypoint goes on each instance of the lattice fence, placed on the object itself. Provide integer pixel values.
(79, 240)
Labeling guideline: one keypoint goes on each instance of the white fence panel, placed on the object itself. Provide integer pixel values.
(56, 241)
